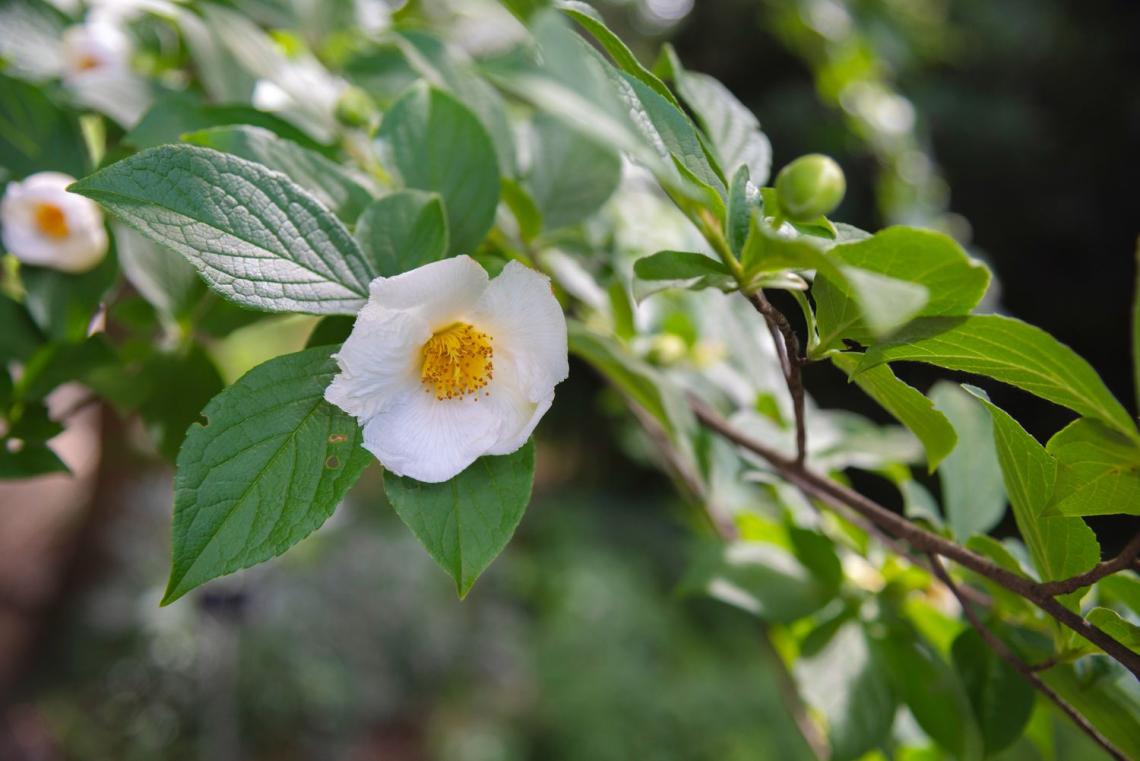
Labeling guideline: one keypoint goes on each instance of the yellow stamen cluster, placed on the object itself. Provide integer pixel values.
(51, 221)
(87, 63)
(457, 362)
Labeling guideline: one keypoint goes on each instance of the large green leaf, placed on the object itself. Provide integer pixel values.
(955, 282)
(36, 135)
(1001, 699)
(403, 230)
(1098, 470)
(1010, 351)
(437, 144)
(256, 238)
(571, 175)
(331, 183)
(906, 404)
(882, 302)
(973, 494)
(1060, 547)
(265, 466)
(1111, 706)
(466, 522)
(932, 690)
(846, 682)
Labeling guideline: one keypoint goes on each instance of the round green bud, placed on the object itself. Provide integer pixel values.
(354, 108)
(810, 187)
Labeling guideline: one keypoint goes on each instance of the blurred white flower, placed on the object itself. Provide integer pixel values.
(444, 366)
(44, 225)
(97, 71)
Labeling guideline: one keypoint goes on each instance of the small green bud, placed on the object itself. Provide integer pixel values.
(810, 187)
(354, 108)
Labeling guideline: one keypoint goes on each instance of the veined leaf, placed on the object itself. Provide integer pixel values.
(572, 174)
(1098, 471)
(1120, 629)
(333, 186)
(1010, 351)
(955, 282)
(1110, 706)
(973, 494)
(679, 269)
(906, 404)
(438, 145)
(266, 466)
(741, 205)
(256, 238)
(403, 230)
(466, 522)
(1060, 547)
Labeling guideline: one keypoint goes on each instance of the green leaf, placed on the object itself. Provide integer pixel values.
(1123, 631)
(266, 465)
(466, 522)
(63, 304)
(906, 404)
(1002, 700)
(438, 145)
(57, 363)
(679, 269)
(28, 461)
(333, 185)
(1122, 588)
(973, 494)
(593, 23)
(741, 206)
(955, 282)
(1098, 471)
(181, 385)
(932, 690)
(20, 336)
(1009, 351)
(35, 135)
(766, 580)
(256, 238)
(846, 682)
(1111, 706)
(572, 174)
(162, 276)
(1060, 547)
(884, 303)
(523, 207)
(403, 230)
(732, 129)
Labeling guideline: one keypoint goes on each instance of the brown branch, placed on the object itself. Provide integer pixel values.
(834, 493)
(1107, 568)
(1006, 654)
(790, 694)
(788, 347)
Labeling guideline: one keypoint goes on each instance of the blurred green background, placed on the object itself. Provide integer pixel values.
(1013, 123)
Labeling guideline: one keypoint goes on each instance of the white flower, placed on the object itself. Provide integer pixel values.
(444, 366)
(97, 71)
(45, 225)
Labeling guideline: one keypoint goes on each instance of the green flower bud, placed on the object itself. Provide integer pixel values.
(354, 108)
(810, 187)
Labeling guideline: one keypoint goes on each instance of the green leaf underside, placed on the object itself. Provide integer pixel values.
(1060, 547)
(256, 238)
(973, 493)
(1098, 471)
(955, 282)
(573, 174)
(1001, 699)
(437, 144)
(1010, 351)
(403, 230)
(265, 467)
(906, 404)
(679, 269)
(738, 215)
(333, 186)
(466, 522)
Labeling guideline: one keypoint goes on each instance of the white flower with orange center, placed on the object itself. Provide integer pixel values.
(444, 365)
(44, 225)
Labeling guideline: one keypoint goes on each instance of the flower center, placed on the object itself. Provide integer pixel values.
(51, 221)
(87, 63)
(456, 362)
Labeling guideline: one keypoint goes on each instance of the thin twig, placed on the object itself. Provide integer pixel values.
(1107, 568)
(790, 694)
(789, 348)
(835, 493)
(1006, 654)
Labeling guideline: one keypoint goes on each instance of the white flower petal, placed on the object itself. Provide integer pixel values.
(430, 440)
(517, 414)
(85, 243)
(440, 292)
(519, 311)
(379, 362)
